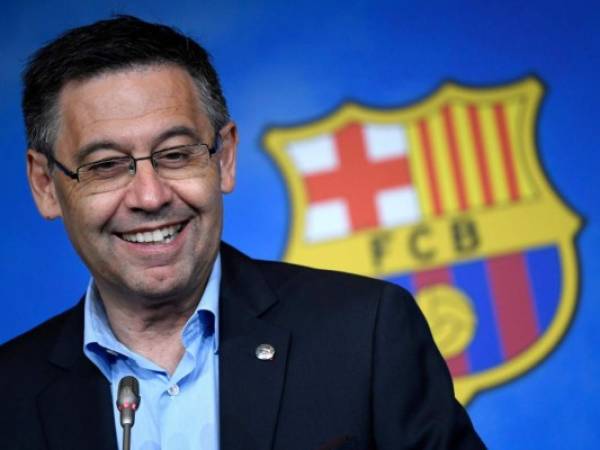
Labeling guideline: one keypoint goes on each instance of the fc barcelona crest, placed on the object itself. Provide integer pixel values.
(445, 197)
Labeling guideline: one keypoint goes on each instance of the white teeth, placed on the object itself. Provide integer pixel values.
(161, 235)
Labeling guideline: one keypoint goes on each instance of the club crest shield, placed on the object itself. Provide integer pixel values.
(447, 198)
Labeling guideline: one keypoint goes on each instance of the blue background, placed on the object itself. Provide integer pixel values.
(282, 63)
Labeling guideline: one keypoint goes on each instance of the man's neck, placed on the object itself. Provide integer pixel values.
(150, 327)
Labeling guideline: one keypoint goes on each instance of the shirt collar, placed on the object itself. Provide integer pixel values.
(210, 298)
(97, 332)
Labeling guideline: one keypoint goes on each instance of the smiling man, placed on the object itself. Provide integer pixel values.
(131, 145)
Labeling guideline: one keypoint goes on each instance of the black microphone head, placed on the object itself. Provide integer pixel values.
(129, 386)
(128, 399)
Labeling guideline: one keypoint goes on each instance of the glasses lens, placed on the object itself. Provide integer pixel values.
(178, 163)
(105, 175)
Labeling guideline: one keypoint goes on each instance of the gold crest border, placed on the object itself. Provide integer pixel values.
(276, 139)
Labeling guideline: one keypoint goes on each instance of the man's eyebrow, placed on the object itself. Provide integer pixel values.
(180, 130)
(95, 146)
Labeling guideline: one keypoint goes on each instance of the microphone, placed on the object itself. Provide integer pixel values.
(128, 401)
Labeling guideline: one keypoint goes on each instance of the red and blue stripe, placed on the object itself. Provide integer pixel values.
(515, 297)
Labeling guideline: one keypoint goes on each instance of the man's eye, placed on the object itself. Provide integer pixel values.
(108, 166)
(180, 154)
(175, 158)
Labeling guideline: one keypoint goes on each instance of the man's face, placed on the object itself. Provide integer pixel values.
(137, 112)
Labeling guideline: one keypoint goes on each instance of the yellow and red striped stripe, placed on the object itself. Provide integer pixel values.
(467, 155)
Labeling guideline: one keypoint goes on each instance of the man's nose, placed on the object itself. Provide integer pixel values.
(147, 191)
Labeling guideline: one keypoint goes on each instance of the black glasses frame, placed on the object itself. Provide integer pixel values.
(133, 161)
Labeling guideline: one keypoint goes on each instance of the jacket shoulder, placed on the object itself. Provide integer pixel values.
(315, 288)
(283, 276)
(29, 350)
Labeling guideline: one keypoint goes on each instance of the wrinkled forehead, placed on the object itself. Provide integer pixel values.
(131, 91)
(129, 103)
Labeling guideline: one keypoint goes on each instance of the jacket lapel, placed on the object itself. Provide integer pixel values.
(250, 388)
(75, 408)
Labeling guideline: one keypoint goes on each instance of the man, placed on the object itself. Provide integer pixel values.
(130, 143)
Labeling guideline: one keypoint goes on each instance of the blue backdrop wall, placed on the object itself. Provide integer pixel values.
(287, 64)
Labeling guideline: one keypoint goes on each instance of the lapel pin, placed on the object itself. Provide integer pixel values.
(265, 352)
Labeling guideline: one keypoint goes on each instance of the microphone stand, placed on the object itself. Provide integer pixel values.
(127, 436)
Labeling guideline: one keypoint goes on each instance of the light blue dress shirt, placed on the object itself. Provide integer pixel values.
(177, 412)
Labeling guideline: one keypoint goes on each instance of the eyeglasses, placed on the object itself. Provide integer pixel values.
(174, 163)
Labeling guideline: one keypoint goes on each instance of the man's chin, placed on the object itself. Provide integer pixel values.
(161, 289)
(154, 285)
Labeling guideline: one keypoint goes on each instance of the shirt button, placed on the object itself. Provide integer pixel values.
(173, 390)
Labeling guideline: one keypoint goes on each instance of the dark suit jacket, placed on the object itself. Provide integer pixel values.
(355, 368)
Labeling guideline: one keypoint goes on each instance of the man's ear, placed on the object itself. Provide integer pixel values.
(227, 157)
(42, 185)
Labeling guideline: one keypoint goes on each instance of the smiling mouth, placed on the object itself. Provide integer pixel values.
(162, 235)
